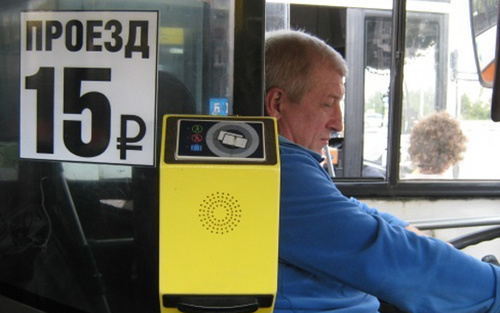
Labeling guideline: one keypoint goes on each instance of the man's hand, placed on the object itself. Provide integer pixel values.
(415, 230)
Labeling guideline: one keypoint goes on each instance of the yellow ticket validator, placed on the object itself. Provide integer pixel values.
(219, 214)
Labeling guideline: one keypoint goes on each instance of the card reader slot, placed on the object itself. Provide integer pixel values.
(218, 303)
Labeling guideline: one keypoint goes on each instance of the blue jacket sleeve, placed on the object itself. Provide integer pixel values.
(391, 219)
(326, 234)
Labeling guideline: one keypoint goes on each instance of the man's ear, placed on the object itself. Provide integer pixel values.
(274, 102)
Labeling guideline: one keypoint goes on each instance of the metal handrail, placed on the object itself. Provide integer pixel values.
(442, 223)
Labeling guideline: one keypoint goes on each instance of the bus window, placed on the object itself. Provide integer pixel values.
(438, 75)
(423, 41)
(77, 236)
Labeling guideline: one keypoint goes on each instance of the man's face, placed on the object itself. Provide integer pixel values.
(311, 121)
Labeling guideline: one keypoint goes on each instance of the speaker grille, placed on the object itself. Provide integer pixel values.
(220, 213)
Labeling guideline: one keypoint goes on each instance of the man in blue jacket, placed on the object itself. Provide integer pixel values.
(337, 254)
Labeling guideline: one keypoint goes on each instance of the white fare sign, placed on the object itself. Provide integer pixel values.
(88, 86)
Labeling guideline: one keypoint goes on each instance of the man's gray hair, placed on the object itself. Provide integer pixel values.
(291, 56)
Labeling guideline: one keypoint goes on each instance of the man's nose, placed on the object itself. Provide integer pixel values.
(336, 122)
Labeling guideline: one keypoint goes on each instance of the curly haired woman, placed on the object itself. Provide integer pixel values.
(436, 143)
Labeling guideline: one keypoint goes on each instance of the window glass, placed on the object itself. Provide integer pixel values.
(440, 75)
(77, 237)
(377, 58)
(422, 51)
(277, 16)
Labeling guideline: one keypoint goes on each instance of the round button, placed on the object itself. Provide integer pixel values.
(232, 139)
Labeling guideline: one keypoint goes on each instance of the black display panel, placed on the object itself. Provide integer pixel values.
(216, 140)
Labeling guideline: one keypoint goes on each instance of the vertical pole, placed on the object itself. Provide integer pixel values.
(396, 90)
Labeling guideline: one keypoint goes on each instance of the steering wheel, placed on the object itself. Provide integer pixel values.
(475, 237)
(460, 243)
